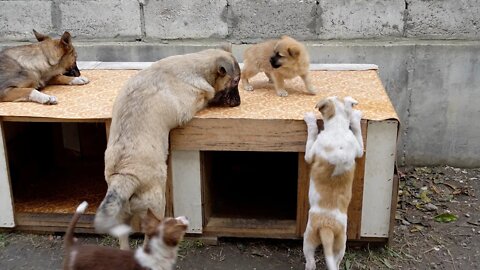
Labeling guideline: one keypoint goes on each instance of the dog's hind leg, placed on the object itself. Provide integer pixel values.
(339, 248)
(312, 133)
(246, 74)
(28, 94)
(308, 84)
(311, 241)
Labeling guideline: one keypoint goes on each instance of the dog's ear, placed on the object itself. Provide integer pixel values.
(66, 39)
(40, 37)
(227, 65)
(226, 47)
(294, 51)
(326, 107)
(150, 223)
(173, 234)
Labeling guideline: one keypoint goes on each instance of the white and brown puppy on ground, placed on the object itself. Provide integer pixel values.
(157, 99)
(159, 253)
(332, 155)
(280, 59)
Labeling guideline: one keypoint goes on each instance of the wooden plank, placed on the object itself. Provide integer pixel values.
(379, 183)
(393, 208)
(302, 194)
(187, 190)
(40, 220)
(206, 172)
(275, 135)
(48, 120)
(354, 222)
(6, 199)
(108, 123)
(169, 189)
(251, 228)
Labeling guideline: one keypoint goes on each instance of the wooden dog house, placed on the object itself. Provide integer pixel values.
(233, 171)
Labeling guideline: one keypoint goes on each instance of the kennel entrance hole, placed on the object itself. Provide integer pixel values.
(53, 167)
(250, 189)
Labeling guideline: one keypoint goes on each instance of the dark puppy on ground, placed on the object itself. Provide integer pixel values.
(24, 70)
(159, 253)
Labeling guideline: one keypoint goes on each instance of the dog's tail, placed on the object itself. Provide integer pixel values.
(328, 238)
(114, 206)
(69, 234)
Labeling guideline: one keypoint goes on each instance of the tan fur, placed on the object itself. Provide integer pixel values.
(327, 108)
(290, 55)
(156, 100)
(36, 65)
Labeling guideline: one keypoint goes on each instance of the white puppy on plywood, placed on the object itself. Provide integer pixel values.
(332, 156)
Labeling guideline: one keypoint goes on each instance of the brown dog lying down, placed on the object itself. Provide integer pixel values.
(24, 70)
(159, 253)
(157, 99)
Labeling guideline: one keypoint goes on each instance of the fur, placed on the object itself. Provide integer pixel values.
(159, 253)
(156, 100)
(26, 69)
(332, 155)
(280, 59)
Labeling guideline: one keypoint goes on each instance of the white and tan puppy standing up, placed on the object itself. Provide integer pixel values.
(332, 156)
(157, 99)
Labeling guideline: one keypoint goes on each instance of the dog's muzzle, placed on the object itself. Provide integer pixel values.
(228, 97)
(73, 71)
(274, 62)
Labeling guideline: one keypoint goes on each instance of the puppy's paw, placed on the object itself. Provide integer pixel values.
(39, 97)
(282, 93)
(79, 81)
(312, 90)
(52, 100)
(310, 118)
(310, 266)
(248, 87)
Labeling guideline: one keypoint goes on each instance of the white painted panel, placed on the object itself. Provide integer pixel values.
(187, 188)
(378, 181)
(6, 206)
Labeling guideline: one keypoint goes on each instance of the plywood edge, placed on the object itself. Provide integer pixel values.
(379, 178)
(6, 199)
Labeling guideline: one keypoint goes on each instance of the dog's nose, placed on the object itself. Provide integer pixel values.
(235, 81)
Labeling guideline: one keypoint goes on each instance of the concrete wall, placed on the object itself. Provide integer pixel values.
(428, 50)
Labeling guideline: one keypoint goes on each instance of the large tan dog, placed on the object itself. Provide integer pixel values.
(156, 100)
(280, 59)
(26, 69)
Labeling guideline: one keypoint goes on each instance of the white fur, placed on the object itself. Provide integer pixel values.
(82, 207)
(73, 257)
(120, 230)
(42, 98)
(339, 144)
(79, 81)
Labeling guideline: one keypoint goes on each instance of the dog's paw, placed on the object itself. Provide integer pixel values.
(310, 118)
(310, 266)
(52, 100)
(79, 81)
(312, 90)
(282, 93)
(248, 87)
(39, 97)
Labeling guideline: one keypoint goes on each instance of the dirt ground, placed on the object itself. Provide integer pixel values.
(423, 237)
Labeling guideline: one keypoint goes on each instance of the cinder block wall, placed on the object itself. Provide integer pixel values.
(428, 51)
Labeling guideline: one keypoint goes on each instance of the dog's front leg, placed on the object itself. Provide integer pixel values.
(355, 124)
(65, 80)
(308, 84)
(279, 85)
(312, 133)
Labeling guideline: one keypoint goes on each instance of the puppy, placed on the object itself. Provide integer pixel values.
(332, 156)
(159, 253)
(280, 59)
(166, 95)
(24, 70)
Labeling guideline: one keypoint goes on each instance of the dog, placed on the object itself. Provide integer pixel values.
(332, 156)
(157, 99)
(24, 70)
(280, 59)
(159, 253)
